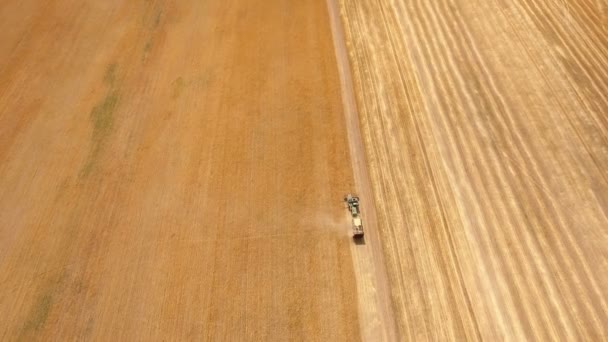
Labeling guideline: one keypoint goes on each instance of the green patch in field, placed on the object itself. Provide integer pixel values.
(178, 87)
(159, 13)
(110, 77)
(148, 47)
(102, 115)
(102, 119)
(40, 310)
(40, 313)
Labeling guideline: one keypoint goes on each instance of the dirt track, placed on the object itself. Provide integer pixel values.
(173, 170)
(486, 130)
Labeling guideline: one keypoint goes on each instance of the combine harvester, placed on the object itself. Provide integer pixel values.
(353, 206)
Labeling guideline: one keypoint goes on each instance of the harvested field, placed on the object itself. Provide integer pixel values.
(486, 131)
(174, 170)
